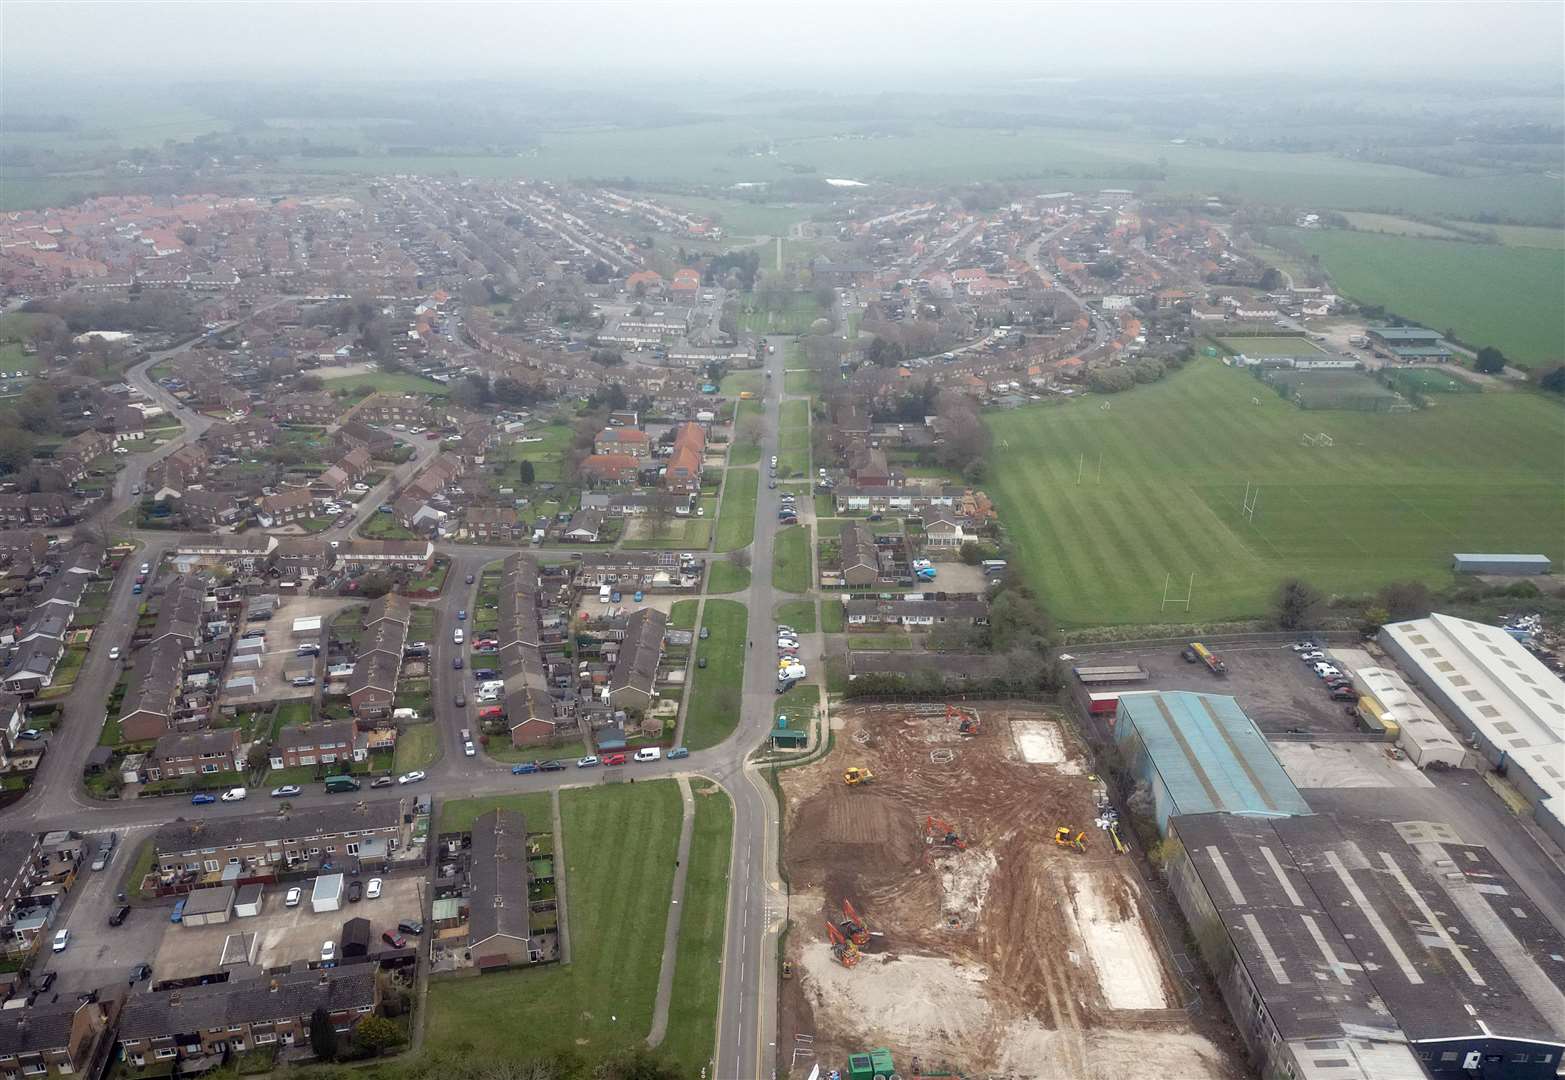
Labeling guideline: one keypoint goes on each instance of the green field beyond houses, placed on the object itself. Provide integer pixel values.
(1391, 499)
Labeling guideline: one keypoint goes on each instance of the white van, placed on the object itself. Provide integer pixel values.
(648, 753)
(604, 593)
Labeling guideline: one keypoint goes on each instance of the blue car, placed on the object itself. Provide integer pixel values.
(679, 751)
(202, 798)
(524, 767)
(461, 615)
(178, 914)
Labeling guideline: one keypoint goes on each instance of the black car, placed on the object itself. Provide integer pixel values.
(551, 766)
(46, 981)
(121, 913)
(410, 926)
(140, 973)
(461, 700)
(469, 579)
(355, 891)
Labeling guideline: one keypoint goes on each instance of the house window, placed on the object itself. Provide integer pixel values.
(164, 1053)
(1448, 1055)
(266, 1038)
(351, 849)
(35, 1068)
(210, 865)
(331, 849)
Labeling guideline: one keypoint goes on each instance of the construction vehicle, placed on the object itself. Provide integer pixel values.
(966, 722)
(1116, 839)
(854, 775)
(845, 951)
(1065, 836)
(1213, 662)
(855, 928)
(942, 833)
(787, 969)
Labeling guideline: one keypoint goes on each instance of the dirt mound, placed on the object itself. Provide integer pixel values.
(856, 828)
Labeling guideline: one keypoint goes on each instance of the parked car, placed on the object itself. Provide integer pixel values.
(295, 895)
(178, 914)
(1343, 693)
(1326, 670)
(234, 794)
(62, 938)
(43, 984)
(461, 614)
(382, 781)
(469, 579)
(522, 768)
(587, 762)
(114, 653)
(355, 892)
(461, 700)
(411, 777)
(469, 750)
(121, 913)
(372, 890)
(614, 759)
(700, 661)
(410, 926)
(648, 753)
(396, 941)
(141, 973)
(1312, 656)
(1303, 646)
(456, 663)
(639, 596)
(328, 950)
(287, 791)
(786, 631)
(202, 798)
(551, 765)
(29, 734)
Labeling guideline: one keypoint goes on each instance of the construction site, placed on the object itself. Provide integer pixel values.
(959, 899)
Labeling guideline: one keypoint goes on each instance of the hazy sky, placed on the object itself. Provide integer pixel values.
(904, 42)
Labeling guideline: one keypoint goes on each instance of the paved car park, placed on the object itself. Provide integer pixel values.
(1272, 685)
(100, 954)
(1346, 765)
(284, 935)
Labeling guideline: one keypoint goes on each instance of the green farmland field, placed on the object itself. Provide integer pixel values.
(1390, 500)
(1490, 295)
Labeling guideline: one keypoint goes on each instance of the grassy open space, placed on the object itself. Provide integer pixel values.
(692, 1013)
(726, 577)
(795, 318)
(1507, 297)
(388, 382)
(619, 842)
(834, 617)
(458, 814)
(1280, 345)
(736, 382)
(713, 712)
(682, 616)
(1391, 500)
(736, 515)
(680, 534)
(801, 382)
(417, 747)
(500, 749)
(791, 559)
(799, 614)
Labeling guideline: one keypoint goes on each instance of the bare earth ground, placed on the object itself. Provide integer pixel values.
(1014, 958)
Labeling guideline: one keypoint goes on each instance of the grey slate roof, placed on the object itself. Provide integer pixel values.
(498, 904)
(182, 836)
(219, 1005)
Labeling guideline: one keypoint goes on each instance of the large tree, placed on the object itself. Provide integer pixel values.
(1490, 361)
(1297, 605)
(323, 1035)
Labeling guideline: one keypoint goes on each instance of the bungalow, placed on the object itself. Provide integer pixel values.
(584, 527)
(943, 530)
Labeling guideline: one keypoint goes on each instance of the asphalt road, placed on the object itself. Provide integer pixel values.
(746, 1031)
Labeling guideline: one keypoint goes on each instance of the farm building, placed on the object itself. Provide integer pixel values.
(1500, 695)
(208, 907)
(1200, 754)
(1322, 934)
(1500, 564)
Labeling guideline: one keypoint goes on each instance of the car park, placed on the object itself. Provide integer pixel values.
(411, 777)
(295, 895)
(648, 753)
(202, 798)
(587, 762)
(614, 759)
(373, 889)
(287, 791)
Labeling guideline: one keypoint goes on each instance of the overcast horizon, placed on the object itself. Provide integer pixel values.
(857, 45)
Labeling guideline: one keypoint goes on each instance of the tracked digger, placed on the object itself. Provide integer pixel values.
(852, 925)
(845, 951)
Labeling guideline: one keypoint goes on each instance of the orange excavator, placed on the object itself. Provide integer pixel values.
(856, 929)
(966, 722)
(845, 951)
(943, 834)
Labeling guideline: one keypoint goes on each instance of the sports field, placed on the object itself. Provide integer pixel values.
(1281, 345)
(1163, 473)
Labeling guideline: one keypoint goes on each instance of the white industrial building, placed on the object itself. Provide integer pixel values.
(1420, 733)
(1502, 697)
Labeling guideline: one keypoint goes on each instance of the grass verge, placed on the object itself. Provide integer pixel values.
(713, 712)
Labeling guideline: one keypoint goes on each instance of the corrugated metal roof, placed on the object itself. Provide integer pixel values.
(1209, 754)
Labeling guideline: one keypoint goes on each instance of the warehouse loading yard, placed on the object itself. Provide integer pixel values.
(998, 950)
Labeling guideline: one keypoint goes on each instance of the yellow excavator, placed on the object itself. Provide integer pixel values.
(856, 774)
(1065, 836)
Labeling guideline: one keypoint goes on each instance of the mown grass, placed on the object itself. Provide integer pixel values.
(1390, 500)
(717, 689)
(791, 559)
(736, 514)
(692, 1013)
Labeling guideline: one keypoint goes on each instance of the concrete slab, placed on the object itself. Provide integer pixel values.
(1346, 765)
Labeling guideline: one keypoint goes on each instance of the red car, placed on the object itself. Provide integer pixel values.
(614, 759)
(431, 434)
(396, 941)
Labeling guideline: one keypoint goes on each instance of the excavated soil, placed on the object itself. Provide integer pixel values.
(1013, 958)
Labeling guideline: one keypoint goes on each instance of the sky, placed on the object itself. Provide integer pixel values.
(859, 42)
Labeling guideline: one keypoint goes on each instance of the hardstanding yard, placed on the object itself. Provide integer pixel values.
(1014, 955)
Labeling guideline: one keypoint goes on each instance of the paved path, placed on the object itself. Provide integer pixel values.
(675, 909)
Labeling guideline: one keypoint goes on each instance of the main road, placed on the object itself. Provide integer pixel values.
(747, 1010)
